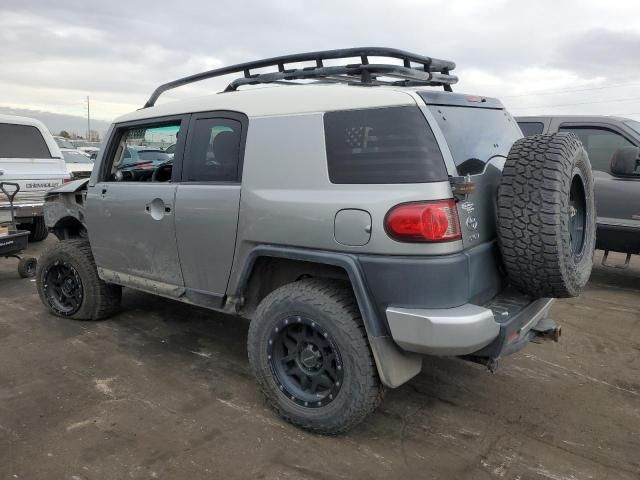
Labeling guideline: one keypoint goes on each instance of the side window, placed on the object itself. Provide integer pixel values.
(22, 141)
(531, 128)
(382, 145)
(600, 144)
(213, 152)
(143, 154)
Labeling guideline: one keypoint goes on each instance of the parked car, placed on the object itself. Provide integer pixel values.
(30, 157)
(77, 163)
(613, 145)
(90, 148)
(359, 224)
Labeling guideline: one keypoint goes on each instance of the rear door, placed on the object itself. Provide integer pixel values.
(130, 209)
(208, 202)
(478, 133)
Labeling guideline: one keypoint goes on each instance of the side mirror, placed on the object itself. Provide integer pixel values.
(625, 161)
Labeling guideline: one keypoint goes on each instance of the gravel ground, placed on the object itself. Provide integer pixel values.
(164, 390)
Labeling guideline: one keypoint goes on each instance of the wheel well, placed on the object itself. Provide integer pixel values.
(69, 227)
(270, 273)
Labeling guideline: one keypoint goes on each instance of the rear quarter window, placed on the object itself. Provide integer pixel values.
(22, 141)
(531, 128)
(382, 146)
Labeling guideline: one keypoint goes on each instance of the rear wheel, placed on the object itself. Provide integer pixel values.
(37, 230)
(310, 355)
(69, 285)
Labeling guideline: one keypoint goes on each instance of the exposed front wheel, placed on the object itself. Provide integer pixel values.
(310, 355)
(69, 285)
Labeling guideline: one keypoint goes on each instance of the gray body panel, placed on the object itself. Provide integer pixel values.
(617, 199)
(132, 230)
(206, 223)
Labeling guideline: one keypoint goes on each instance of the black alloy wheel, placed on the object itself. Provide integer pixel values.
(577, 217)
(63, 288)
(305, 361)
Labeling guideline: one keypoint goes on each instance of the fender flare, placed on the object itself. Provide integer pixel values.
(394, 366)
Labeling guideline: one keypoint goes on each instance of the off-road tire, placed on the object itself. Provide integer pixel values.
(333, 307)
(534, 215)
(37, 230)
(100, 300)
(27, 267)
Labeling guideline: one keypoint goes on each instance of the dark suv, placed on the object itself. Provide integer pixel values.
(613, 147)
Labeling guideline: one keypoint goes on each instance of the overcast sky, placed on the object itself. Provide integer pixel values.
(573, 56)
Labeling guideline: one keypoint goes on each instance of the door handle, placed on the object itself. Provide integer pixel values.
(157, 209)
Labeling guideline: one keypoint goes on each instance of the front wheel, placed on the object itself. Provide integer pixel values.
(309, 352)
(69, 285)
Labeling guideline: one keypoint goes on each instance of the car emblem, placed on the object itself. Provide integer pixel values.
(468, 207)
(471, 223)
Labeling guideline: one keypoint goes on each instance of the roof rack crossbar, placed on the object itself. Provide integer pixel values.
(437, 69)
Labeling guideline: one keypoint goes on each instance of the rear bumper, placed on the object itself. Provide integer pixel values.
(483, 331)
(22, 210)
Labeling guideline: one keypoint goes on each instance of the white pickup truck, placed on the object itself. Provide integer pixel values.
(30, 157)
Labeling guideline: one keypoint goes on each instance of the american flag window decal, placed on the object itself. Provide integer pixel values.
(382, 145)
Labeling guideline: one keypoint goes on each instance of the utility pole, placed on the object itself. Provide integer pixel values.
(88, 121)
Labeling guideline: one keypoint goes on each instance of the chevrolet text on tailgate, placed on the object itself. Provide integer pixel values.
(358, 217)
(29, 157)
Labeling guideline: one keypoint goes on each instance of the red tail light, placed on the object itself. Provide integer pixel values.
(435, 221)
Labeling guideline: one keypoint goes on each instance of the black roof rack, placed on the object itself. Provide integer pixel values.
(416, 70)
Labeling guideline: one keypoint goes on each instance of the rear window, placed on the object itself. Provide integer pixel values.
(382, 145)
(475, 135)
(22, 141)
(531, 128)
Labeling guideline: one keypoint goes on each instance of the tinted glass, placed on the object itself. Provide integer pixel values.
(213, 154)
(22, 141)
(475, 135)
(600, 144)
(382, 145)
(531, 128)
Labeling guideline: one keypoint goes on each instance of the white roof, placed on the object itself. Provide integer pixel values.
(17, 120)
(283, 100)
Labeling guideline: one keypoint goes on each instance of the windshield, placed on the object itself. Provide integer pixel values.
(475, 135)
(76, 157)
(633, 124)
(64, 143)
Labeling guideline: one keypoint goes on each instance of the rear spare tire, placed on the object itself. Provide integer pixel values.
(546, 215)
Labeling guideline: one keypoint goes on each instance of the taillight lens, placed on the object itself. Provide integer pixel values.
(424, 221)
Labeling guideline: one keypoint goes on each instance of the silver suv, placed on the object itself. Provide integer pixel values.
(359, 218)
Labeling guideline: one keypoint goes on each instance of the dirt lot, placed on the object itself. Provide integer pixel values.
(164, 391)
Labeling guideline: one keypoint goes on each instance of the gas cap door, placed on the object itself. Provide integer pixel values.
(352, 227)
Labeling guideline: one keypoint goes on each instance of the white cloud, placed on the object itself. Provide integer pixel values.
(55, 54)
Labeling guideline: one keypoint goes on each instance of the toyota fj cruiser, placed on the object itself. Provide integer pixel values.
(358, 218)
